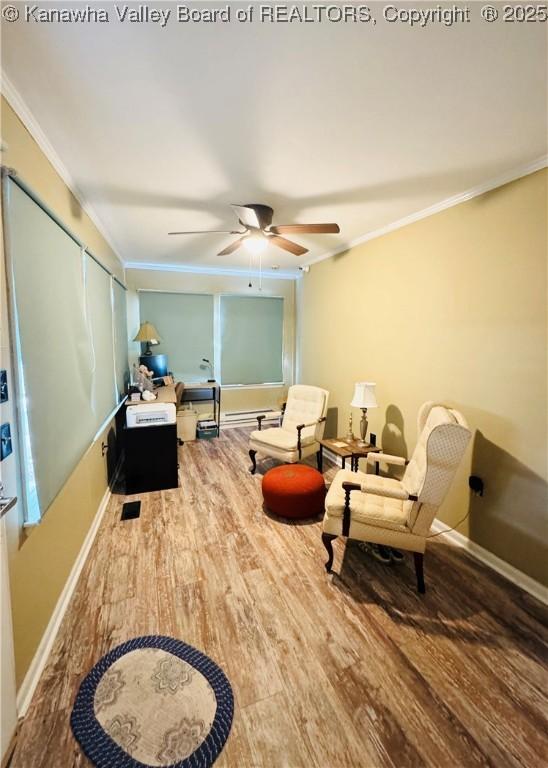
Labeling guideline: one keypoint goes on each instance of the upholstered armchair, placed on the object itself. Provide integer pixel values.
(399, 513)
(301, 429)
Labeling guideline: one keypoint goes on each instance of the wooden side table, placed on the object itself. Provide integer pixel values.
(348, 449)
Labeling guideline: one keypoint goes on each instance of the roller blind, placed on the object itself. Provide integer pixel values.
(120, 338)
(184, 322)
(99, 310)
(53, 343)
(251, 339)
(69, 333)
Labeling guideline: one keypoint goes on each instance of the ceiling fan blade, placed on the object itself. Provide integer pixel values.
(313, 229)
(232, 247)
(287, 245)
(254, 215)
(208, 232)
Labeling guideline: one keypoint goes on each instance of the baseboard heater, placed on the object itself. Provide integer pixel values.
(248, 418)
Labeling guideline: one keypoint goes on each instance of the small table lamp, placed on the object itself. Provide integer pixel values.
(149, 335)
(364, 398)
(208, 366)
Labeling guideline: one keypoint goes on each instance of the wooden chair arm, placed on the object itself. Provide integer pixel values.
(300, 427)
(348, 488)
(260, 421)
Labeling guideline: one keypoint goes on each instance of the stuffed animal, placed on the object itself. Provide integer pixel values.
(142, 378)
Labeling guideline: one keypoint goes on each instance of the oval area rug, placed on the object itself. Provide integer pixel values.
(153, 702)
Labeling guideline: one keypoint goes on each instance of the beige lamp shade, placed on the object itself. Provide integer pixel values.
(364, 395)
(147, 332)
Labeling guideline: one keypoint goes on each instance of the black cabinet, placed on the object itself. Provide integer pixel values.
(151, 458)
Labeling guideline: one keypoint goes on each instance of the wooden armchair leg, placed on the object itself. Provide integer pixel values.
(252, 455)
(319, 460)
(327, 539)
(419, 560)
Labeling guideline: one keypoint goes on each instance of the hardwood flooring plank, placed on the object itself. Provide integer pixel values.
(330, 734)
(263, 723)
(483, 708)
(354, 670)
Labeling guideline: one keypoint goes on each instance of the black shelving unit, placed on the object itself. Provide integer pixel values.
(151, 462)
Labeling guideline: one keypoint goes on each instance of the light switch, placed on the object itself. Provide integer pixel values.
(3, 386)
(5, 441)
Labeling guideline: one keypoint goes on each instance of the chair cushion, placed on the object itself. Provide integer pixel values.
(366, 507)
(280, 438)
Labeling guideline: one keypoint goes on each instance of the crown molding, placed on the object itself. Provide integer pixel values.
(220, 271)
(19, 106)
(498, 181)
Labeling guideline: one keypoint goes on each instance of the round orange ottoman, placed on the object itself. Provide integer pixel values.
(294, 491)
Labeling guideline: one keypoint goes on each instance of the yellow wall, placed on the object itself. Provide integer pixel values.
(41, 559)
(24, 155)
(232, 399)
(453, 309)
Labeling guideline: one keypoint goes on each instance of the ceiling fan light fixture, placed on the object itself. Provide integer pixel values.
(255, 243)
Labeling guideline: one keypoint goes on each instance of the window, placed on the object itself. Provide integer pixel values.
(246, 333)
(251, 330)
(65, 331)
(184, 322)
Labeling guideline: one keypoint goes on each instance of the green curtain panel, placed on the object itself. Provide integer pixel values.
(251, 339)
(184, 322)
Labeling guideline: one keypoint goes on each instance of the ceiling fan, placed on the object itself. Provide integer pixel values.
(258, 232)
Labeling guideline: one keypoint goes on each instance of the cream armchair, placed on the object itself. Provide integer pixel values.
(398, 513)
(301, 429)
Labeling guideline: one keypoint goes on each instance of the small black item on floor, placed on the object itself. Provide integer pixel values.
(131, 510)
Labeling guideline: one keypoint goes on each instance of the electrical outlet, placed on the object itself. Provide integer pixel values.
(5, 441)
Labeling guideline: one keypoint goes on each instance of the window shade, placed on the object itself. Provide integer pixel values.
(120, 338)
(184, 322)
(54, 347)
(63, 306)
(251, 339)
(100, 319)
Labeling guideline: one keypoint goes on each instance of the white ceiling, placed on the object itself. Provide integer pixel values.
(162, 128)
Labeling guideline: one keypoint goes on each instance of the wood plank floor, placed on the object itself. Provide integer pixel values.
(351, 670)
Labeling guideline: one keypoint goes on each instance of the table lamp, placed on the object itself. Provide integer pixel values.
(364, 398)
(208, 366)
(149, 335)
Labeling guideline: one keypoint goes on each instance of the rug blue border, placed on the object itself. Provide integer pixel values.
(105, 753)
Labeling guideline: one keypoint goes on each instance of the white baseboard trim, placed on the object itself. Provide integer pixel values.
(514, 575)
(34, 672)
